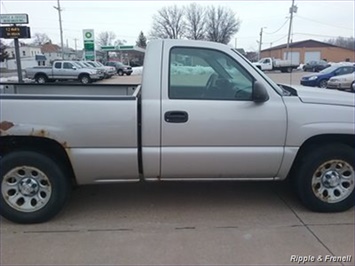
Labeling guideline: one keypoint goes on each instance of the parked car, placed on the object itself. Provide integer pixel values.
(320, 79)
(343, 82)
(108, 70)
(121, 68)
(84, 64)
(316, 66)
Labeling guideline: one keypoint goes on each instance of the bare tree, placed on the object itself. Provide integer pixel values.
(40, 39)
(195, 22)
(348, 43)
(168, 23)
(221, 24)
(106, 38)
(120, 42)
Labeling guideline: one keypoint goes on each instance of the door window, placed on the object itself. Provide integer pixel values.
(58, 65)
(203, 74)
(67, 65)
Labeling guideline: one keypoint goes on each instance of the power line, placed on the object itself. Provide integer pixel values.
(304, 18)
(279, 28)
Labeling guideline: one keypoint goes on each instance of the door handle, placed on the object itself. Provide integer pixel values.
(176, 117)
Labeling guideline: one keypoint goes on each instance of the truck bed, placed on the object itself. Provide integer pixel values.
(62, 89)
(96, 124)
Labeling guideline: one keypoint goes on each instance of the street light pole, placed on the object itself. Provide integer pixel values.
(60, 27)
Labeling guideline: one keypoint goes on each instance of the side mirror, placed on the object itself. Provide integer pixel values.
(260, 94)
(74, 67)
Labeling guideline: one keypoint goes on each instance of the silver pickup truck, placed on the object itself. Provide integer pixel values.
(213, 116)
(62, 70)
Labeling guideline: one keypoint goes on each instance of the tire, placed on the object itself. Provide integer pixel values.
(352, 87)
(41, 79)
(33, 187)
(128, 74)
(85, 79)
(120, 72)
(289, 70)
(322, 83)
(325, 178)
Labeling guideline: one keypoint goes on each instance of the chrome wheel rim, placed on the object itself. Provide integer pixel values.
(41, 80)
(323, 84)
(26, 189)
(85, 80)
(333, 181)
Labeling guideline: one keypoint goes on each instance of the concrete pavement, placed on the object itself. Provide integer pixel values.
(228, 223)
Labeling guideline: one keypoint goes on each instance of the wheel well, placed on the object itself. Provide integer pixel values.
(83, 74)
(41, 74)
(318, 141)
(46, 146)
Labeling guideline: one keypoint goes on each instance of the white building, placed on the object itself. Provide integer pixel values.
(28, 55)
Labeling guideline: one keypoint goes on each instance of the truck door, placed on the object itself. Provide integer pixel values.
(266, 64)
(57, 70)
(211, 128)
(69, 72)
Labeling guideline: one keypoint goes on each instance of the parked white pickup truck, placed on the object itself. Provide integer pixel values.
(269, 63)
(62, 70)
(212, 117)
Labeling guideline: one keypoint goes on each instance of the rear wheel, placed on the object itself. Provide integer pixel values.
(325, 179)
(41, 79)
(120, 72)
(33, 187)
(352, 87)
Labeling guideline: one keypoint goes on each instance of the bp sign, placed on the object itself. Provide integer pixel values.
(89, 44)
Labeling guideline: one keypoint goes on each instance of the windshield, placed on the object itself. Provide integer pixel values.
(87, 64)
(77, 65)
(278, 88)
(329, 69)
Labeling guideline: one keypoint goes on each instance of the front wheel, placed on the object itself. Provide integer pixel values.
(323, 84)
(85, 79)
(33, 187)
(325, 180)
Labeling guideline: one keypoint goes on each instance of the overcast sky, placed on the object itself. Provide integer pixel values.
(317, 20)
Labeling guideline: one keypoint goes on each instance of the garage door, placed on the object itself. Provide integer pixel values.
(311, 56)
(293, 56)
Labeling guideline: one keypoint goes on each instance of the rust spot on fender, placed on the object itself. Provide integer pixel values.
(65, 145)
(6, 125)
(39, 133)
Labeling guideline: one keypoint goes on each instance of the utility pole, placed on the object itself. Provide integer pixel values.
(293, 9)
(76, 51)
(60, 26)
(260, 41)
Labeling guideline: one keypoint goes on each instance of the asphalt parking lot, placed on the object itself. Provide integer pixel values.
(208, 223)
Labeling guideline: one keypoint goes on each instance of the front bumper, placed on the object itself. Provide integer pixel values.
(309, 83)
(95, 76)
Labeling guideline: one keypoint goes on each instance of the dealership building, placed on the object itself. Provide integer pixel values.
(304, 51)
